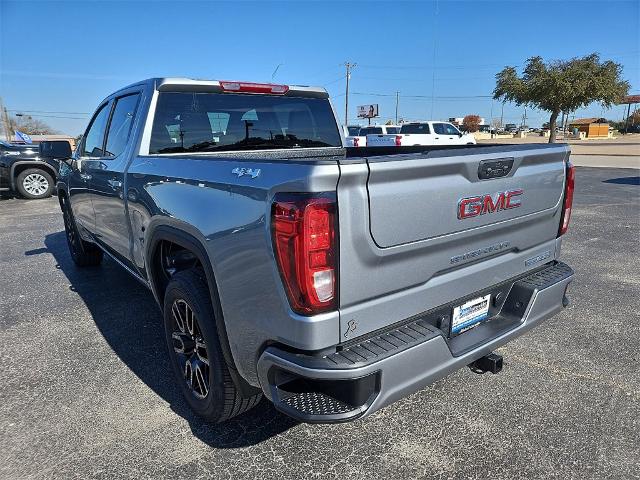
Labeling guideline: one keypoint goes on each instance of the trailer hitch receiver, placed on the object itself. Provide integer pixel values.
(489, 363)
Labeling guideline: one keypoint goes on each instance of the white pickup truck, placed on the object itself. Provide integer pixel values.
(422, 133)
(352, 136)
(374, 131)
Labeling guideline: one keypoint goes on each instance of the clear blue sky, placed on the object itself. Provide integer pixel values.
(66, 57)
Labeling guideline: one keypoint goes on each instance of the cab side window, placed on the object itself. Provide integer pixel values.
(439, 128)
(94, 138)
(121, 124)
(450, 129)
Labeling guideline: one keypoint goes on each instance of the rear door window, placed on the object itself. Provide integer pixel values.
(210, 122)
(420, 128)
(439, 128)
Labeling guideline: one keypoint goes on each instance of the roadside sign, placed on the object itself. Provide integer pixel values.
(368, 111)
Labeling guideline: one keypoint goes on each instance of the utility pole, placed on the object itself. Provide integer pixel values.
(5, 121)
(397, 101)
(626, 120)
(346, 96)
(491, 133)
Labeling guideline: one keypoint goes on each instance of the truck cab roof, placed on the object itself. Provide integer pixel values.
(209, 85)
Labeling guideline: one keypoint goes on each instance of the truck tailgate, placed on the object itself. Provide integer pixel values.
(380, 140)
(404, 247)
(418, 199)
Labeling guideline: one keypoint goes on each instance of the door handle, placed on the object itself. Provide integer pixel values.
(85, 176)
(115, 184)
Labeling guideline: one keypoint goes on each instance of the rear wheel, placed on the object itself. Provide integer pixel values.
(34, 183)
(194, 348)
(84, 254)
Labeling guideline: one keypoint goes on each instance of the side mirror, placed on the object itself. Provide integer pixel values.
(460, 134)
(55, 150)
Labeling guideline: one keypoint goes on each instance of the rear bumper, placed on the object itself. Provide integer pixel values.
(364, 377)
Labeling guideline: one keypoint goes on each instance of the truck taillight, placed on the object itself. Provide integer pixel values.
(398, 140)
(568, 199)
(249, 87)
(305, 236)
(356, 142)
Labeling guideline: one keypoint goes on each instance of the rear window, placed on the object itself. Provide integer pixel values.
(370, 131)
(353, 131)
(415, 128)
(209, 122)
(393, 130)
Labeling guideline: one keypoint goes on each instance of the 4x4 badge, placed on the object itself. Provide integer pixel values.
(241, 172)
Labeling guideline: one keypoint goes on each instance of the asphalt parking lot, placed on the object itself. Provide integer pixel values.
(87, 392)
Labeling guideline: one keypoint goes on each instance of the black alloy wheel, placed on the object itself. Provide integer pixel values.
(190, 349)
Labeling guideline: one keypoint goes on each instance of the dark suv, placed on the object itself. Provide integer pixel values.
(31, 170)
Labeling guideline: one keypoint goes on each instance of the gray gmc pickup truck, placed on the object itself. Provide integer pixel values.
(332, 281)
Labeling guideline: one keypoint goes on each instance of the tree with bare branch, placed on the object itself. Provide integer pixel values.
(32, 126)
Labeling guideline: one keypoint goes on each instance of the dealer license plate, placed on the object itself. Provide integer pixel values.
(469, 314)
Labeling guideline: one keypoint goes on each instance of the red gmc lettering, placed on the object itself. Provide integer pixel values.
(474, 206)
(511, 202)
(472, 203)
(489, 206)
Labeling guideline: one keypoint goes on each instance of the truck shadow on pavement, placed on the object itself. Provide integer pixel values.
(130, 321)
(624, 181)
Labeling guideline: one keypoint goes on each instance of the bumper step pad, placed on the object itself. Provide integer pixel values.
(316, 403)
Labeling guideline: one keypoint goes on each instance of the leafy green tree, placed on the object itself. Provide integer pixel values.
(562, 85)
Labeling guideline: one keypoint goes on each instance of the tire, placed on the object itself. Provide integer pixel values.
(195, 352)
(34, 183)
(84, 254)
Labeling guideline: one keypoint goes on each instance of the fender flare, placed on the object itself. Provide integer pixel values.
(33, 163)
(188, 241)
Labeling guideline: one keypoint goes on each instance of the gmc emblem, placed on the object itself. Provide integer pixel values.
(474, 206)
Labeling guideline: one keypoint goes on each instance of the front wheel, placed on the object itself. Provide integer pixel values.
(194, 348)
(34, 183)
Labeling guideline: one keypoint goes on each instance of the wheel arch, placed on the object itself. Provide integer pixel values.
(174, 235)
(20, 166)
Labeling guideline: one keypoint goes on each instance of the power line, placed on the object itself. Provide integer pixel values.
(46, 111)
(445, 97)
(56, 116)
(334, 81)
(633, 53)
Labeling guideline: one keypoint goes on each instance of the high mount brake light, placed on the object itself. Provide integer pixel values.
(305, 236)
(569, 186)
(248, 87)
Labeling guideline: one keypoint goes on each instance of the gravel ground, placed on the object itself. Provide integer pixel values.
(87, 392)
